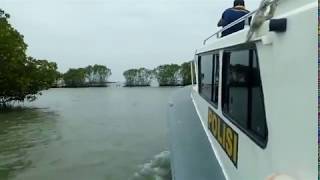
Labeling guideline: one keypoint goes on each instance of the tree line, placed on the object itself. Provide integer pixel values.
(90, 76)
(165, 75)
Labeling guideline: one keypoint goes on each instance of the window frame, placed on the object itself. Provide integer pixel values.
(199, 73)
(193, 71)
(213, 55)
(216, 66)
(259, 140)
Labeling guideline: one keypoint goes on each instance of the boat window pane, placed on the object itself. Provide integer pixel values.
(242, 94)
(216, 80)
(206, 76)
(258, 118)
(237, 83)
(193, 69)
(199, 73)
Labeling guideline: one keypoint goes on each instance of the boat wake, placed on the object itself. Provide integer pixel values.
(157, 169)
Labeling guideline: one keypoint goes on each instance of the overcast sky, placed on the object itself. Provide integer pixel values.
(120, 34)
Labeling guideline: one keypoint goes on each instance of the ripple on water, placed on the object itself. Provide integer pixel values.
(21, 132)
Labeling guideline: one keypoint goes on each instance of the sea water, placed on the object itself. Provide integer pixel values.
(87, 133)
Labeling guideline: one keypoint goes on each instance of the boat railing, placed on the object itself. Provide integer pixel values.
(243, 18)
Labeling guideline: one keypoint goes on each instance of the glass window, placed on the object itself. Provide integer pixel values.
(258, 122)
(236, 103)
(206, 70)
(209, 77)
(242, 91)
(193, 71)
(216, 80)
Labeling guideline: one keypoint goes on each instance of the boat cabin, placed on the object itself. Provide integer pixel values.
(255, 94)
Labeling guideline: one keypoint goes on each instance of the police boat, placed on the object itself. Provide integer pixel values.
(251, 111)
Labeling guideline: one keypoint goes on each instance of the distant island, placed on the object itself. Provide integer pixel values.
(98, 75)
(90, 76)
(164, 75)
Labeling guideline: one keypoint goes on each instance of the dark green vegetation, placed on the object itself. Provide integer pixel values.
(21, 77)
(185, 71)
(166, 75)
(138, 77)
(90, 76)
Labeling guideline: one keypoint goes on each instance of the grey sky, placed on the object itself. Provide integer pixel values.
(120, 34)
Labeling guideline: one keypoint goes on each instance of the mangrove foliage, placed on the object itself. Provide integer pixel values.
(165, 75)
(21, 77)
(138, 77)
(90, 76)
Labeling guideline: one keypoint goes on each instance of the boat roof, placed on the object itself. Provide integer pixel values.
(239, 37)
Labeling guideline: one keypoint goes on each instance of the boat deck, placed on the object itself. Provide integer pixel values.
(191, 155)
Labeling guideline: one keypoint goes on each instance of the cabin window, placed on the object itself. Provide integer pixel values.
(258, 122)
(215, 89)
(193, 73)
(209, 78)
(242, 96)
(205, 76)
(199, 72)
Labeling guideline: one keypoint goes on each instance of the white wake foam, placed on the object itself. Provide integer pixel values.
(157, 169)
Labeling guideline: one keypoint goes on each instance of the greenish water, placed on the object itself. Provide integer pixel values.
(84, 134)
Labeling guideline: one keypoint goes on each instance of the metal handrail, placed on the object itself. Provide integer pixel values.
(243, 18)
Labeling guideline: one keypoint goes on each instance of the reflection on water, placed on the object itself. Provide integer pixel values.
(85, 134)
(22, 132)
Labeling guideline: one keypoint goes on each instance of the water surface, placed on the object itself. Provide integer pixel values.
(89, 133)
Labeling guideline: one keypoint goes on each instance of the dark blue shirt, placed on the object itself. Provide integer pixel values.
(230, 15)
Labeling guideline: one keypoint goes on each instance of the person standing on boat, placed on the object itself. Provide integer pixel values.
(232, 14)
